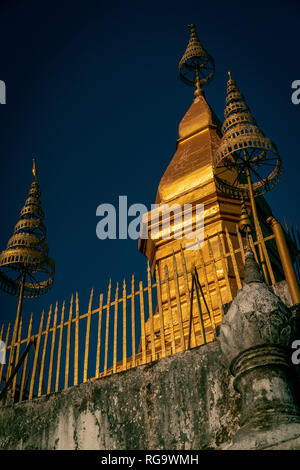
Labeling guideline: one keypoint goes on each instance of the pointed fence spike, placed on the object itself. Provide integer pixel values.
(143, 331)
(178, 302)
(107, 328)
(76, 340)
(68, 343)
(37, 347)
(61, 326)
(115, 346)
(52, 349)
(150, 306)
(160, 311)
(87, 338)
(97, 372)
(23, 377)
(133, 346)
(124, 326)
(44, 352)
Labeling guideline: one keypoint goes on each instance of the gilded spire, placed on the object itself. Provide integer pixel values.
(196, 67)
(237, 114)
(27, 250)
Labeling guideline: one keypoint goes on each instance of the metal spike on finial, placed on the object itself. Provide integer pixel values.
(198, 90)
(34, 172)
(196, 67)
(193, 30)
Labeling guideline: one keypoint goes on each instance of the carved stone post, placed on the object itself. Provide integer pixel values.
(255, 337)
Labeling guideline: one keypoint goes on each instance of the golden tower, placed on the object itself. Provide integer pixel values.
(190, 179)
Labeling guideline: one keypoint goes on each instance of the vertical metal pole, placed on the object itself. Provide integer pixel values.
(17, 325)
(197, 284)
(256, 224)
(286, 260)
(20, 303)
(191, 311)
(198, 90)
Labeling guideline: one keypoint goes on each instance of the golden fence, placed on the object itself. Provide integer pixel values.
(117, 332)
(293, 233)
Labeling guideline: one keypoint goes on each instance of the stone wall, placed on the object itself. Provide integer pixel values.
(185, 401)
(239, 392)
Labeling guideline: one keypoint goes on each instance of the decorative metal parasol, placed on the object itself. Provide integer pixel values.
(196, 67)
(24, 262)
(25, 268)
(247, 163)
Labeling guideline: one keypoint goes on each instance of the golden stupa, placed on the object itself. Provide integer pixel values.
(190, 179)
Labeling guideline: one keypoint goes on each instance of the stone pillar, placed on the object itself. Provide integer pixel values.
(255, 339)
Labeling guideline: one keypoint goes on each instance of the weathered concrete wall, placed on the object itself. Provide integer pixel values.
(185, 401)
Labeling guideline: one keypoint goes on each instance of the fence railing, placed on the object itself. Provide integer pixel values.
(121, 330)
(293, 233)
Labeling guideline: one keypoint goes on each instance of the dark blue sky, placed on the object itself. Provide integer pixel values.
(93, 93)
